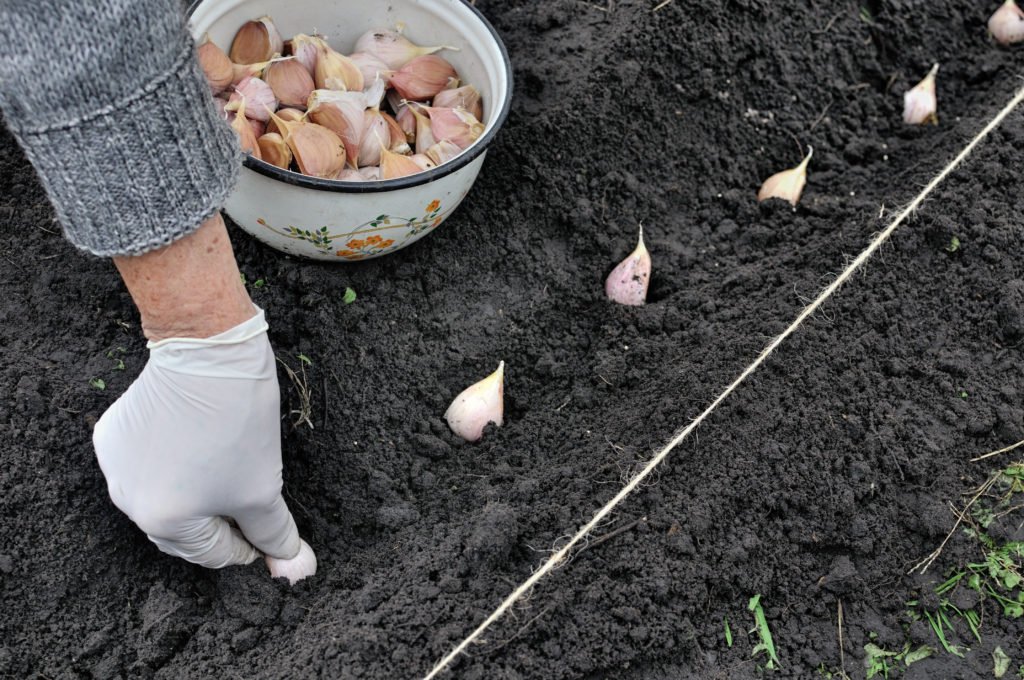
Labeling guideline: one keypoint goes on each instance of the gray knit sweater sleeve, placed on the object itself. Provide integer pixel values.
(113, 111)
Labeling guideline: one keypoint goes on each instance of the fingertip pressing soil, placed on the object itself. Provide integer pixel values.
(821, 481)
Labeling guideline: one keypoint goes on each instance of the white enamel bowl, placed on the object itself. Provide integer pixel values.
(344, 221)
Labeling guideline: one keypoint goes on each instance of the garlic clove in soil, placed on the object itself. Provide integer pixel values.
(394, 165)
(627, 284)
(1007, 23)
(788, 184)
(392, 48)
(335, 71)
(274, 150)
(290, 82)
(466, 97)
(299, 567)
(318, 151)
(258, 96)
(256, 41)
(477, 406)
(216, 66)
(919, 102)
(423, 77)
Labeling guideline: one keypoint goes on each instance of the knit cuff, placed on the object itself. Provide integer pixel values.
(143, 171)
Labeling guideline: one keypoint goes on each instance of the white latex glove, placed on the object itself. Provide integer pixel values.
(196, 439)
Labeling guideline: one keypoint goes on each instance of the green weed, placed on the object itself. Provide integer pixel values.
(766, 644)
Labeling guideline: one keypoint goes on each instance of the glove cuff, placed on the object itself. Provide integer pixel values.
(231, 354)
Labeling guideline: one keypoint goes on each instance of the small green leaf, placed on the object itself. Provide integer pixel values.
(349, 297)
(98, 383)
(1000, 662)
(304, 359)
(728, 632)
(954, 245)
(242, 274)
(921, 652)
(119, 366)
(259, 283)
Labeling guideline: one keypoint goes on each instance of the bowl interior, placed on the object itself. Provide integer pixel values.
(480, 59)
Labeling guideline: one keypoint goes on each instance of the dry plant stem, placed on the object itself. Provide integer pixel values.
(842, 652)
(924, 564)
(806, 312)
(1007, 449)
(304, 413)
(189, 289)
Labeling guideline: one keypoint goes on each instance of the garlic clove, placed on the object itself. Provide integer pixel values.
(456, 125)
(349, 175)
(370, 66)
(393, 48)
(274, 150)
(466, 97)
(788, 184)
(423, 77)
(216, 66)
(919, 102)
(394, 165)
(256, 41)
(335, 71)
(370, 172)
(290, 82)
(299, 567)
(240, 72)
(424, 161)
(341, 112)
(376, 134)
(288, 114)
(318, 151)
(1007, 23)
(627, 284)
(424, 134)
(478, 405)
(398, 144)
(304, 49)
(258, 95)
(240, 124)
(443, 151)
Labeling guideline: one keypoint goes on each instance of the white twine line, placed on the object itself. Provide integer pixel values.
(807, 311)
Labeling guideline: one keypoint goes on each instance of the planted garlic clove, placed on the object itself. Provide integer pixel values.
(443, 151)
(1007, 23)
(394, 165)
(423, 77)
(422, 160)
(627, 284)
(788, 184)
(393, 48)
(919, 102)
(256, 41)
(274, 150)
(304, 49)
(288, 114)
(465, 97)
(370, 66)
(341, 112)
(376, 134)
(424, 134)
(477, 406)
(335, 71)
(290, 82)
(299, 567)
(216, 66)
(458, 126)
(240, 124)
(258, 96)
(318, 151)
(398, 144)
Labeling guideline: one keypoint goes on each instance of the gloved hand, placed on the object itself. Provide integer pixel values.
(196, 439)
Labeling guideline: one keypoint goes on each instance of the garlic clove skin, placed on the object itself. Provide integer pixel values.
(392, 48)
(424, 161)
(788, 184)
(1007, 23)
(370, 173)
(627, 284)
(398, 144)
(423, 77)
(456, 125)
(477, 406)
(375, 135)
(318, 151)
(288, 114)
(240, 72)
(394, 165)
(424, 133)
(370, 66)
(304, 49)
(256, 41)
(290, 82)
(216, 66)
(443, 151)
(299, 567)
(349, 175)
(258, 96)
(919, 102)
(335, 71)
(274, 150)
(240, 124)
(466, 97)
(341, 112)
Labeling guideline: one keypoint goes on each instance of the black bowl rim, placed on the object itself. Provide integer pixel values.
(425, 177)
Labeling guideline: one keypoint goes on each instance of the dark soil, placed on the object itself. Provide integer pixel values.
(823, 479)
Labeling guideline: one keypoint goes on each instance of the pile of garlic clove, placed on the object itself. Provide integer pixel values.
(389, 109)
